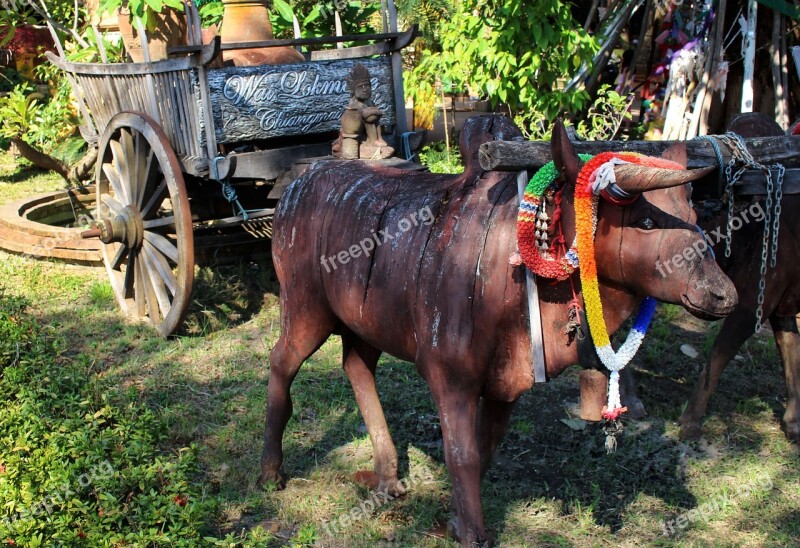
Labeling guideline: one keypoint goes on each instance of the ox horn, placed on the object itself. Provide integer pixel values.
(633, 178)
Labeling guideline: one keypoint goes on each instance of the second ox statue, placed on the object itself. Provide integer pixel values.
(441, 292)
(781, 301)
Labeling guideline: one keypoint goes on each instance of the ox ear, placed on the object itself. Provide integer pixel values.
(564, 156)
(633, 178)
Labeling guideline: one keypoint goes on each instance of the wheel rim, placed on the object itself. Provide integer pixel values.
(146, 225)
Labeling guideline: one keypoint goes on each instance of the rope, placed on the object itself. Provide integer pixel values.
(228, 192)
(741, 156)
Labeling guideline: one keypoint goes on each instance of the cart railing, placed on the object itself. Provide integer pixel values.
(167, 91)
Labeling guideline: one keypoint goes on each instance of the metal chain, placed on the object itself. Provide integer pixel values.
(762, 281)
(776, 221)
(740, 155)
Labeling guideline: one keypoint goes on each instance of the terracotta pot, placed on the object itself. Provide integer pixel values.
(245, 21)
(248, 21)
(170, 30)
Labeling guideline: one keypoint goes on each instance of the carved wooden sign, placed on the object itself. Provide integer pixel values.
(280, 100)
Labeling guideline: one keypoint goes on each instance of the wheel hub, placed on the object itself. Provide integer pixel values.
(125, 228)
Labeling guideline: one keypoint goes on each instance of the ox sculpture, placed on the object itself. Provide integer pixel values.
(417, 265)
(781, 294)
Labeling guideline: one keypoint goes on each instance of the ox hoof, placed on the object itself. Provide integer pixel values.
(454, 530)
(793, 432)
(373, 482)
(636, 409)
(272, 481)
(691, 432)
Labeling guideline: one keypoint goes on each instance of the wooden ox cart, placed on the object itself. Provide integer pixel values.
(174, 136)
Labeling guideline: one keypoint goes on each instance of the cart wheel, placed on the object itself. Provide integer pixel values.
(144, 222)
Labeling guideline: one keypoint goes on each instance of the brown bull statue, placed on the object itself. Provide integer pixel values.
(417, 265)
(781, 294)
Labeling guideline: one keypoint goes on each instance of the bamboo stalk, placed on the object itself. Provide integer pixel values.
(707, 78)
(592, 12)
(749, 56)
(649, 15)
(781, 104)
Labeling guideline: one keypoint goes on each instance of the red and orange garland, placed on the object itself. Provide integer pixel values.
(532, 221)
(586, 202)
(530, 225)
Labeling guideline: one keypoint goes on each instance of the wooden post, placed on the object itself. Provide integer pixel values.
(594, 394)
(781, 103)
(446, 130)
(716, 57)
(338, 22)
(397, 75)
(749, 56)
(296, 29)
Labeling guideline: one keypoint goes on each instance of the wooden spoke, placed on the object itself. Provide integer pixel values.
(113, 176)
(140, 293)
(156, 198)
(129, 280)
(141, 192)
(161, 264)
(163, 245)
(112, 204)
(119, 256)
(121, 165)
(159, 222)
(156, 284)
(128, 163)
(149, 174)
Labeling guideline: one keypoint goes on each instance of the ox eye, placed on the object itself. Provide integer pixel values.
(647, 223)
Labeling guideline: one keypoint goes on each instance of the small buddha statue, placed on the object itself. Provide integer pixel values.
(360, 136)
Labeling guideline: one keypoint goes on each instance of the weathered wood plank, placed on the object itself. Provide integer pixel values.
(520, 155)
(266, 101)
(269, 164)
(754, 182)
(391, 41)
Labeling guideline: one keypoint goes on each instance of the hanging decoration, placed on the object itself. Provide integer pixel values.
(596, 174)
(535, 248)
(539, 255)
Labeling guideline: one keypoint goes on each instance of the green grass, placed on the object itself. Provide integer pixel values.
(555, 486)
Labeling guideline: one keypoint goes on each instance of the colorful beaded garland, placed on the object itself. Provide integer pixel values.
(528, 228)
(586, 203)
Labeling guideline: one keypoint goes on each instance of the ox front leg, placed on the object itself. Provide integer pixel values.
(360, 360)
(458, 413)
(788, 341)
(736, 329)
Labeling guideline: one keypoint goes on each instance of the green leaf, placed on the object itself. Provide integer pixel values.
(284, 9)
(155, 5)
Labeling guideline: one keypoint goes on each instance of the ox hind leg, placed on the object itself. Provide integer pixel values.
(494, 416)
(303, 330)
(360, 360)
(788, 341)
(736, 329)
